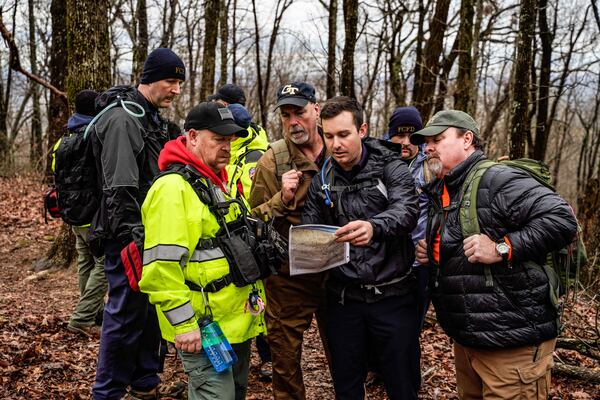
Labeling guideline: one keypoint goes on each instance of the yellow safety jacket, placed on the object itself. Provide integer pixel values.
(245, 153)
(174, 221)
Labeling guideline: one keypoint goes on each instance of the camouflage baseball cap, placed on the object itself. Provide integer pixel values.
(443, 120)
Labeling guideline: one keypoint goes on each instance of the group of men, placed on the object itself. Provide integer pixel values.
(167, 202)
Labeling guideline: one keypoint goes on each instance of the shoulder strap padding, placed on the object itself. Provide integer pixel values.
(282, 157)
(468, 202)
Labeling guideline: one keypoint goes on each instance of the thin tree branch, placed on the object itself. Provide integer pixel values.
(15, 63)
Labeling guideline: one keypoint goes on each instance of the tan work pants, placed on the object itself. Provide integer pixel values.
(291, 303)
(519, 373)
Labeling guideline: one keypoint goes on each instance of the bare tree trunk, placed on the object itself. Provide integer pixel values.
(224, 15)
(419, 59)
(447, 64)
(5, 152)
(463, 95)
(88, 67)
(263, 83)
(424, 99)
(211, 20)
(397, 80)
(36, 152)
(331, 44)
(282, 6)
(169, 17)
(234, 44)
(88, 46)
(140, 47)
(350, 8)
(518, 131)
(261, 97)
(57, 106)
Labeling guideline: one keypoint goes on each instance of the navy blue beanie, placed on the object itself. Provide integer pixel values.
(404, 120)
(161, 64)
(241, 116)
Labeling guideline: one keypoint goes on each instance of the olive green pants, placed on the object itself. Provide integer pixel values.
(92, 283)
(204, 383)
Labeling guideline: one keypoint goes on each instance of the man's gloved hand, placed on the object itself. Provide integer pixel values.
(132, 259)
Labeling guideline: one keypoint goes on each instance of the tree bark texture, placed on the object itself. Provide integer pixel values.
(211, 29)
(88, 47)
(424, 99)
(5, 148)
(419, 59)
(463, 94)
(351, 29)
(169, 17)
(224, 37)
(572, 371)
(36, 152)
(331, 45)
(541, 131)
(397, 80)
(140, 47)
(520, 106)
(262, 107)
(57, 106)
(88, 67)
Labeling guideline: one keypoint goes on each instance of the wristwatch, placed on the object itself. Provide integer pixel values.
(503, 249)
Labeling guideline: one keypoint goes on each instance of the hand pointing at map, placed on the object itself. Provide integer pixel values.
(357, 233)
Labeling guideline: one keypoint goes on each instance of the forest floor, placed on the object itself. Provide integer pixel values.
(40, 359)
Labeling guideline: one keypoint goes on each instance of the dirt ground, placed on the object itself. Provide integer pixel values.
(40, 359)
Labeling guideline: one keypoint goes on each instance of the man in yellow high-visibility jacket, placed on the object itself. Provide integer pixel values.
(181, 257)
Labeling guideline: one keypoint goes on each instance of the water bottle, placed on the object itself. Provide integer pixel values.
(216, 346)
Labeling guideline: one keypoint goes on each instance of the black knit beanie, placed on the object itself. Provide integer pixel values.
(85, 102)
(161, 64)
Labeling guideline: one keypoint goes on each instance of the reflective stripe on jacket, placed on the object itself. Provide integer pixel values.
(175, 220)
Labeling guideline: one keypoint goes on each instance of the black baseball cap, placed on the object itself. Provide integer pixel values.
(443, 120)
(230, 93)
(216, 118)
(296, 94)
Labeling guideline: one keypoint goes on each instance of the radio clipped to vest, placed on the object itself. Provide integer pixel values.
(253, 248)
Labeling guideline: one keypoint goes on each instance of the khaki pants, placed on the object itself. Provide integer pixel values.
(519, 373)
(291, 303)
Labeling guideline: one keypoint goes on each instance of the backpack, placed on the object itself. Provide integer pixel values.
(562, 265)
(75, 194)
(283, 158)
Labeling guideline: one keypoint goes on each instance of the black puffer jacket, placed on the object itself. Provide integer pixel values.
(126, 149)
(516, 310)
(390, 253)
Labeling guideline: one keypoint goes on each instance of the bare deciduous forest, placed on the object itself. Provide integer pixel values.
(527, 70)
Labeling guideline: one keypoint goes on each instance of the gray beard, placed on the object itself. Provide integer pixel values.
(301, 140)
(435, 166)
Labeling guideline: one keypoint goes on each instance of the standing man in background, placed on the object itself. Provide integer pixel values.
(404, 122)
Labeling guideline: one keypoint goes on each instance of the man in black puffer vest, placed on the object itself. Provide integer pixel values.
(368, 191)
(504, 325)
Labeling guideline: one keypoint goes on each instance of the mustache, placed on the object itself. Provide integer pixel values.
(296, 129)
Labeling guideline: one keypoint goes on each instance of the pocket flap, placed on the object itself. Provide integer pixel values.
(536, 370)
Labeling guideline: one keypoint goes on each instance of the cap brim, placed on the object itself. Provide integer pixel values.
(294, 101)
(229, 129)
(418, 137)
